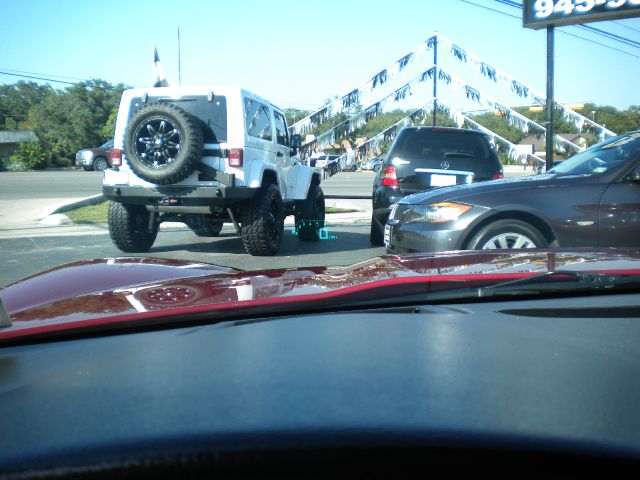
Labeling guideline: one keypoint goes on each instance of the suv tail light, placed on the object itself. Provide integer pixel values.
(389, 177)
(115, 157)
(497, 176)
(235, 157)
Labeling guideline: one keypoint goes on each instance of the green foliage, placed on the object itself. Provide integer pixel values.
(540, 117)
(15, 102)
(77, 117)
(28, 156)
(614, 119)
(109, 129)
(500, 126)
(293, 115)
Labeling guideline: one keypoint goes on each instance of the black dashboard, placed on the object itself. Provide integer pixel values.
(513, 388)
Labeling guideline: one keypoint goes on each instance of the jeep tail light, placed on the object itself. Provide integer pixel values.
(235, 157)
(389, 177)
(115, 157)
(497, 176)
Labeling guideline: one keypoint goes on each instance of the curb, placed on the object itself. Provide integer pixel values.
(84, 202)
(55, 216)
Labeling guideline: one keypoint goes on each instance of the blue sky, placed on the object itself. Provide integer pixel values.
(296, 54)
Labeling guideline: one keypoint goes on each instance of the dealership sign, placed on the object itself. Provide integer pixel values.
(542, 13)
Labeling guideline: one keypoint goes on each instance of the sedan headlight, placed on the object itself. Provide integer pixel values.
(437, 212)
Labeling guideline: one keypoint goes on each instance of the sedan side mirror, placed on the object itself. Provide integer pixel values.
(634, 176)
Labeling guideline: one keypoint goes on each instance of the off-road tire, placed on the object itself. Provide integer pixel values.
(507, 234)
(263, 222)
(376, 235)
(100, 164)
(211, 229)
(172, 148)
(129, 227)
(309, 214)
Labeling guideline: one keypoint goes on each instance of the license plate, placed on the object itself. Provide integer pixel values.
(387, 235)
(442, 180)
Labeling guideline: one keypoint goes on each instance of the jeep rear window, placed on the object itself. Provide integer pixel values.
(426, 148)
(211, 116)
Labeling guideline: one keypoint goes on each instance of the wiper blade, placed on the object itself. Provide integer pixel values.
(558, 282)
(561, 281)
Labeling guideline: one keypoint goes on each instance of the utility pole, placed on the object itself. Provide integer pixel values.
(435, 79)
(550, 100)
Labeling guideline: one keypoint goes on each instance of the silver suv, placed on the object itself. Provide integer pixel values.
(205, 156)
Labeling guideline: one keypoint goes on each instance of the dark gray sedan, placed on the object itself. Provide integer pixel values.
(590, 200)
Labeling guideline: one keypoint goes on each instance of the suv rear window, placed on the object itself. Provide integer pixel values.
(429, 148)
(211, 116)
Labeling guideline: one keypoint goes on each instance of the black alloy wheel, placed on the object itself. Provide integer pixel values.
(163, 143)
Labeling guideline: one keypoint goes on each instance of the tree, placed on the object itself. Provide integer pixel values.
(293, 115)
(615, 120)
(16, 100)
(76, 117)
(500, 126)
(109, 128)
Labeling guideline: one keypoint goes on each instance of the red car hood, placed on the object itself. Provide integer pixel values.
(126, 292)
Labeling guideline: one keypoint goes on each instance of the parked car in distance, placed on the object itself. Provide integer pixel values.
(424, 158)
(346, 162)
(370, 164)
(589, 200)
(328, 162)
(94, 158)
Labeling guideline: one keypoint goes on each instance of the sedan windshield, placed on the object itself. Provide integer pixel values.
(601, 158)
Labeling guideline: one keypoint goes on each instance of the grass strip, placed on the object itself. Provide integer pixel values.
(98, 213)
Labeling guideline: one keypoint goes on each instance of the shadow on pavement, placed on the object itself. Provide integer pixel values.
(337, 240)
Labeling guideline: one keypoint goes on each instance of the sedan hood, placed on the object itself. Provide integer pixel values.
(105, 294)
(459, 192)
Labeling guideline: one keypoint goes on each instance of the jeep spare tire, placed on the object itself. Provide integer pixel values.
(163, 143)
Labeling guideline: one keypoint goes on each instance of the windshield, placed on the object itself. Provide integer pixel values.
(226, 148)
(601, 158)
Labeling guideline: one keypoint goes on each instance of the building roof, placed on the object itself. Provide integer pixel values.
(17, 136)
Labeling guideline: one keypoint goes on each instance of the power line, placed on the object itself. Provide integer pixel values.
(597, 31)
(612, 36)
(560, 31)
(37, 78)
(41, 74)
(617, 22)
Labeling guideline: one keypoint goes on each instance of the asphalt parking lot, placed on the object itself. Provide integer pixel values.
(29, 244)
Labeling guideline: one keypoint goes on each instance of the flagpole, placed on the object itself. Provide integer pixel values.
(179, 63)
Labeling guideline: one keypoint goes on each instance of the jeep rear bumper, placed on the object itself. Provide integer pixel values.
(172, 195)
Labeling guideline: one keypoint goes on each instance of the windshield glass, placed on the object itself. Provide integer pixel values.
(601, 158)
(224, 147)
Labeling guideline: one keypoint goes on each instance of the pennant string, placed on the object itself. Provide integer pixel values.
(315, 119)
(519, 88)
(347, 126)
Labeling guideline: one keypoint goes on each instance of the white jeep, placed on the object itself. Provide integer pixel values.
(204, 156)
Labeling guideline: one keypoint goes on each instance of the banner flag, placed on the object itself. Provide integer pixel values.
(159, 77)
